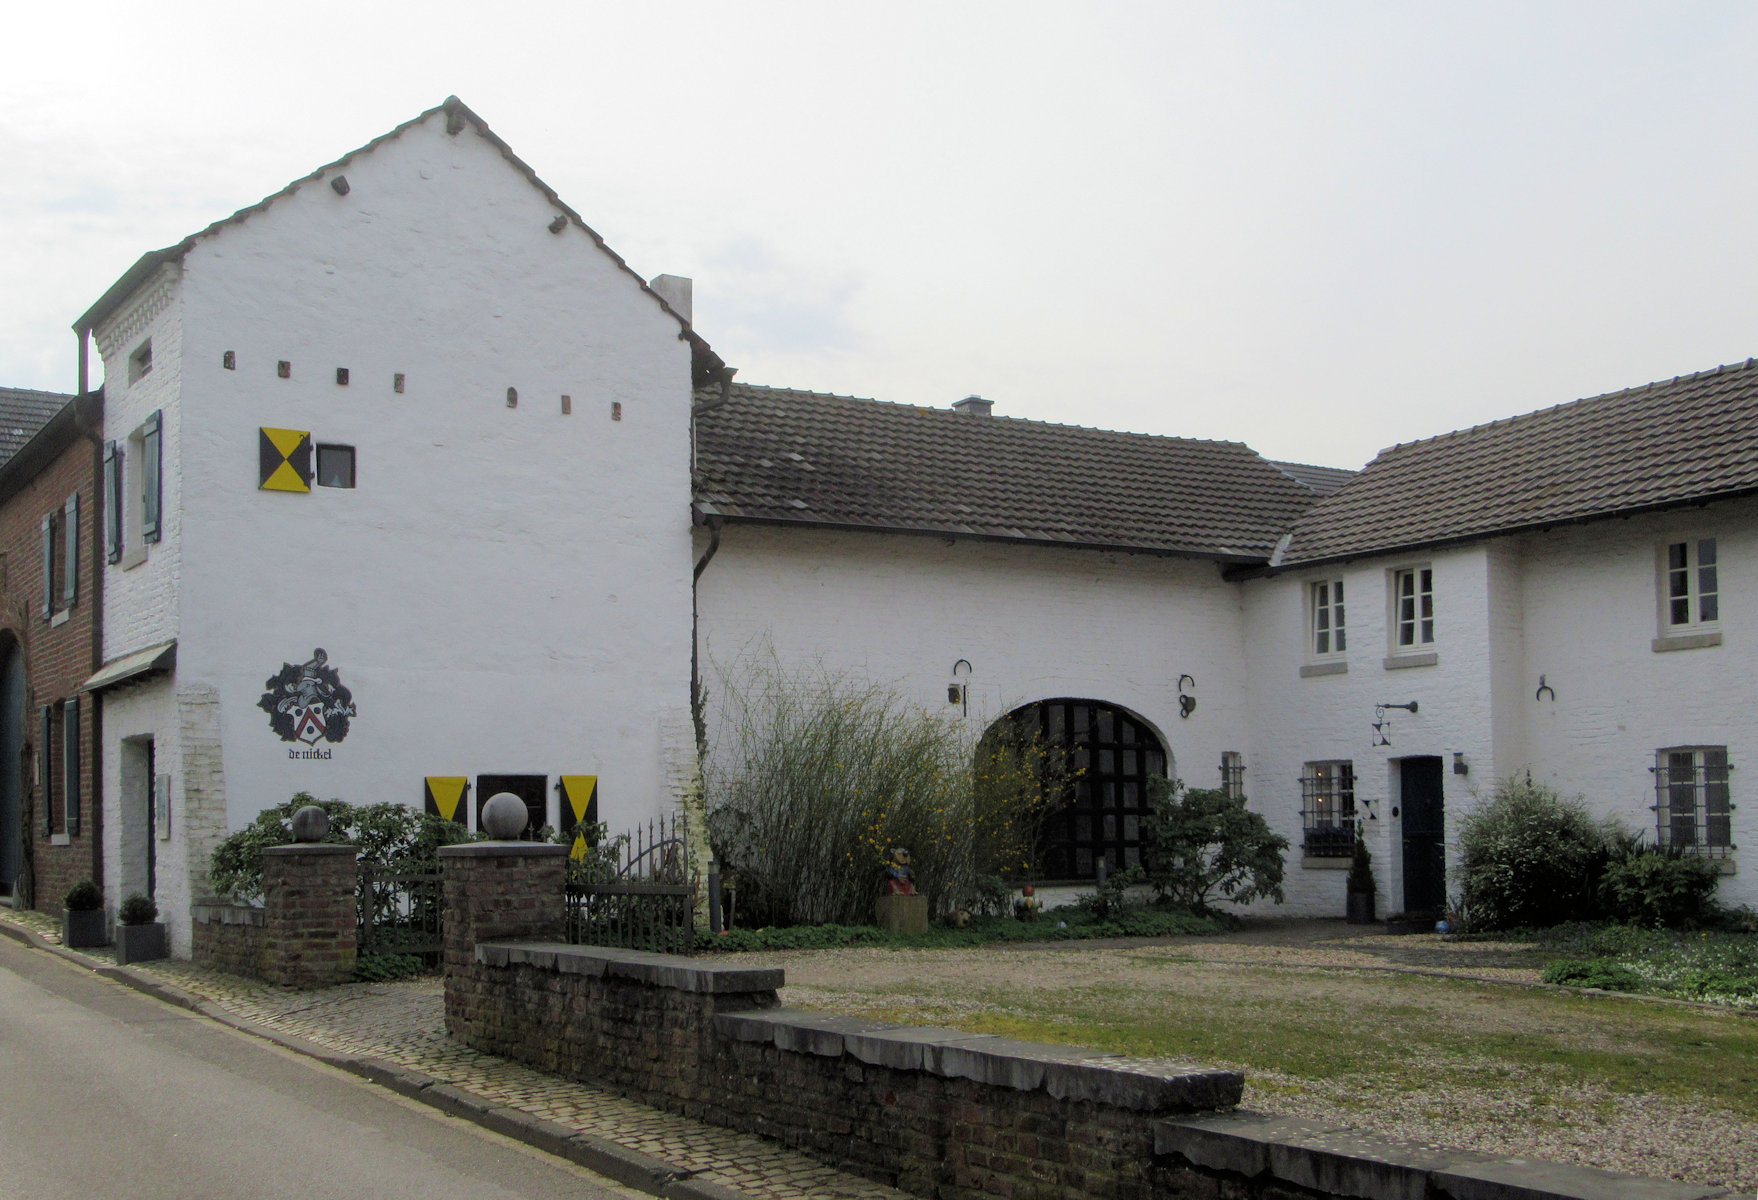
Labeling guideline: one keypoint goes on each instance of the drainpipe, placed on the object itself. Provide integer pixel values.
(697, 716)
(93, 427)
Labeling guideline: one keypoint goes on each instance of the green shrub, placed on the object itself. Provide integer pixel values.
(817, 776)
(1361, 882)
(138, 909)
(1063, 924)
(391, 834)
(1657, 887)
(386, 968)
(83, 896)
(1529, 857)
(1202, 844)
(1605, 973)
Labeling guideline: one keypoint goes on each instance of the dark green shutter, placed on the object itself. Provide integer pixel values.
(70, 763)
(70, 551)
(112, 504)
(46, 769)
(48, 565)
(151, 485)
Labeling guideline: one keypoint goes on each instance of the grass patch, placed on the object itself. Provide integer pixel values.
(1716, 967)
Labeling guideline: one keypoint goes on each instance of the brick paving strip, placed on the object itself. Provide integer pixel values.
(393, 1034)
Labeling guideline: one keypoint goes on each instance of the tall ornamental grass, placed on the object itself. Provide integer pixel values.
(816, 776)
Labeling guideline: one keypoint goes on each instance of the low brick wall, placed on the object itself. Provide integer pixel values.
(945, 1114)
(228, 937)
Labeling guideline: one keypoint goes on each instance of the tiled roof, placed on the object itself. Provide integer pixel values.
(1687, 440)
(773, 454)
(1320, 481)
(22, 413)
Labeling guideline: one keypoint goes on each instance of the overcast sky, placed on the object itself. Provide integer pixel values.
(1316, 228)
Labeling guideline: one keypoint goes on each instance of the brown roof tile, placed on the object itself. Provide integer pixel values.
(778, 455)
(22, 413)
(1686, 440)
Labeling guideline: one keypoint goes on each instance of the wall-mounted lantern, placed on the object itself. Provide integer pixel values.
(1186, 699)
(1460, 766)
(959, 690)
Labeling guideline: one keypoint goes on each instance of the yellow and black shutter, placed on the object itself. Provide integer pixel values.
(444, 796)
(579, 810)
(285, 459)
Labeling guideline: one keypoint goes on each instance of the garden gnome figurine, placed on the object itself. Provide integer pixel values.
(1025, 905)
(897, 874)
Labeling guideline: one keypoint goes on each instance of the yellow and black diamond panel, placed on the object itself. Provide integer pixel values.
(285, 459)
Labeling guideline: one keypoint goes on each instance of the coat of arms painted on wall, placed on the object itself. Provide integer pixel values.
(306, 702)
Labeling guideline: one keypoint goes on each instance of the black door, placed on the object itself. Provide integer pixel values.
(532, 789)
(1425, 850)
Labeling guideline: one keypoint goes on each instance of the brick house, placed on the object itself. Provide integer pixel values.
(50, 606)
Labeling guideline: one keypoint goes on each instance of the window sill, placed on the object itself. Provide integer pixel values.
(133, 557)
(1400, 662)
(1686, 641)
(61, 618)
(60, 839)
(1342, 863)
(1312, 670)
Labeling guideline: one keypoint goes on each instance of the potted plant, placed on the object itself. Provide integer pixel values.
(141, 936)
(82, 917)
(1361, 885)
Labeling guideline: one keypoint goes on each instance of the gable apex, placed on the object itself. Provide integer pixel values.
(705, 365)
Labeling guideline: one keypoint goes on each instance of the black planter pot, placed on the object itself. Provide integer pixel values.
(1361, 908)
(140, 943)
(83, 927)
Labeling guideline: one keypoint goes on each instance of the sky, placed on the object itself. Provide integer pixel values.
(1318, 228)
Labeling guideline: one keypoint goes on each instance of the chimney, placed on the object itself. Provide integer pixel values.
(976, 406)
(675, 290)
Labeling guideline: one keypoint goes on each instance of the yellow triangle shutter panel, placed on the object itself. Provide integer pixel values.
(285, 458)
(444, 794)
(580, 809)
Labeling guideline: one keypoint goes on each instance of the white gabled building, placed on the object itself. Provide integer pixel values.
(399, 507)
(403, 458)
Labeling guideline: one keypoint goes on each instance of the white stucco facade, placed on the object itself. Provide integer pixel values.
(506, 590)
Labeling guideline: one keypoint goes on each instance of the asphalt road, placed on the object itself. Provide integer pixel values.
(108, 1093)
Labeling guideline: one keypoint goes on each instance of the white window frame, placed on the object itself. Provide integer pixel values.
(1327, 631)
(1420, 624)
(1710, 821)
(1686, 585)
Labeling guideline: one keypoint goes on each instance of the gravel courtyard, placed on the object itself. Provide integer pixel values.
(1414, 1037)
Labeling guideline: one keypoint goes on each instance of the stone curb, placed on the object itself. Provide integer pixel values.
(643, 1172)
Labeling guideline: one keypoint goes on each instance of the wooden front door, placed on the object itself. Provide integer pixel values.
(1424, 821)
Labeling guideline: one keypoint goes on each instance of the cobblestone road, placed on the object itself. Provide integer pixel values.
(403, 1023)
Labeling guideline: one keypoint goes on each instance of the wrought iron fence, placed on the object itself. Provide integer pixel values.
(636, 891)
(402, 910)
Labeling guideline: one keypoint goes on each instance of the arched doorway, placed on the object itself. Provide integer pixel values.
(12, 697)
(1112, 753)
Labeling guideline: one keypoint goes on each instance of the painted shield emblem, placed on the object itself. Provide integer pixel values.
(306, 702)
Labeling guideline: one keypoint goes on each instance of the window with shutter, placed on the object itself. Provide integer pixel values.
(151, 491)
(46, 767)
(70, 551)
(112, 502)
(70, 763)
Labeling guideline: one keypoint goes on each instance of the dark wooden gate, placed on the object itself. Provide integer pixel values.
(1424, 822)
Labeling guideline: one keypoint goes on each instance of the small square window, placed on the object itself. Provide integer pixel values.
(140, 363)
(335, 466)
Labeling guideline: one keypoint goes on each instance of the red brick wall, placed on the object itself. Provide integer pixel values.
(58, 658)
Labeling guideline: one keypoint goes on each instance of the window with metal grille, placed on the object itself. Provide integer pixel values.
(1233, 774)
(1693, 593)
(1693, 810)
(1413, 598)
(1328, 633)
(1327, 794)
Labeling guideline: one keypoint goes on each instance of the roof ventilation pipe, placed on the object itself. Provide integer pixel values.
(976, 406)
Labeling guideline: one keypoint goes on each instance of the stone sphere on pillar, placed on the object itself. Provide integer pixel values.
(504, 817)
(311, 824)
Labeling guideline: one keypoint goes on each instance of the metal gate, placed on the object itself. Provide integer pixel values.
(402, 910)
(636, 892)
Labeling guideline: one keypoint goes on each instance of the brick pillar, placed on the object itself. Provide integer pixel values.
(496, 891)
(311, 930)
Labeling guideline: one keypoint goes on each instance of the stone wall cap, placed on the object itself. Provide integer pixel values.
(1344, 1162)
(318, 848)
(672, 971)
(503, 850)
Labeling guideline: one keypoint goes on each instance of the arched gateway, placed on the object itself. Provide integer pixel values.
(1111, 753)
